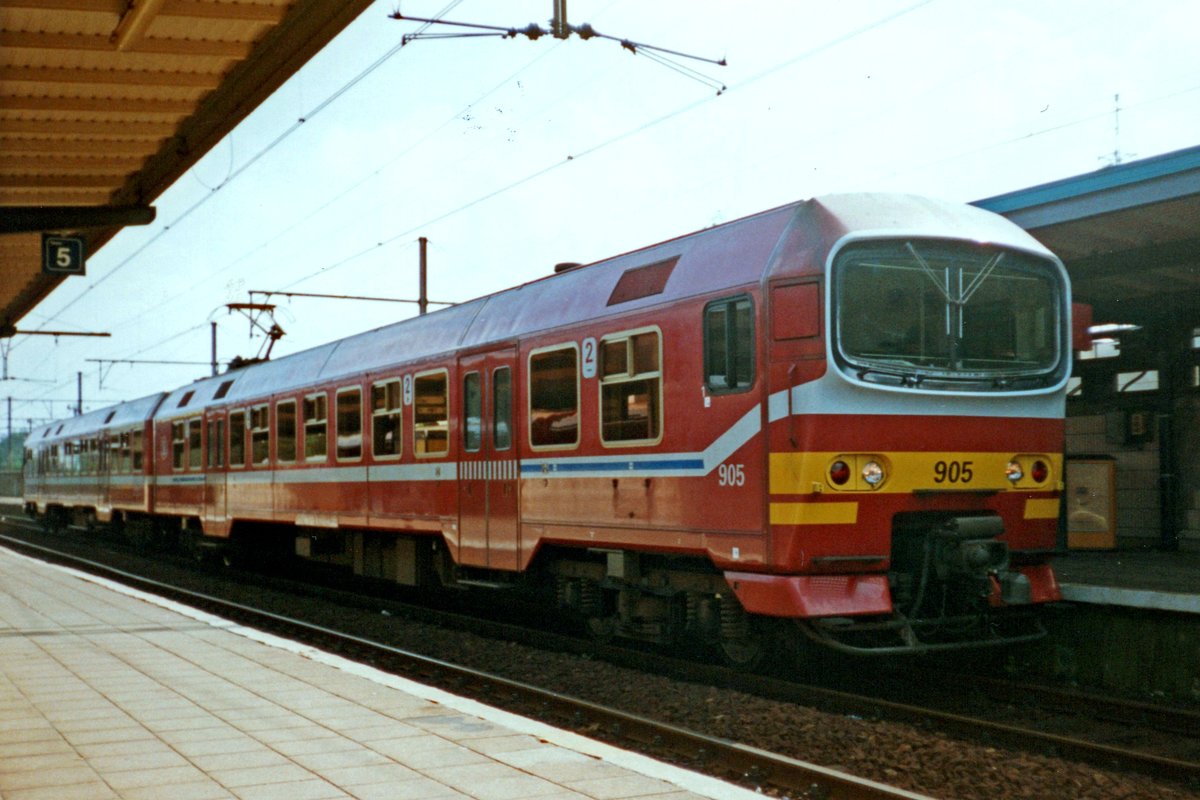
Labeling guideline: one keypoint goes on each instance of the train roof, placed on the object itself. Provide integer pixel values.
(693, 264)
(912, 215)
(122, 415)
(734, 254)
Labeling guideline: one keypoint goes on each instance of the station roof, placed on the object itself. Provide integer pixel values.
(105, 103)
(1129, 235)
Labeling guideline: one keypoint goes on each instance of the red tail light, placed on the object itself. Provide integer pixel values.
(839, 473)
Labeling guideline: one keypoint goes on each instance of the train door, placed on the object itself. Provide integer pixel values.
(488, 464)
(215, 522)
(105, 465)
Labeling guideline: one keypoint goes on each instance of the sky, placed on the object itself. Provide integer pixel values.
(513, 155)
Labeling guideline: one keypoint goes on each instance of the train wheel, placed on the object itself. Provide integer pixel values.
(602, 629)
(743, 639)
(744, 652)
(143, 534)
(189, 541)
(54, 520)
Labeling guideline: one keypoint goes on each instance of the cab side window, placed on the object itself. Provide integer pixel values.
(729, 345)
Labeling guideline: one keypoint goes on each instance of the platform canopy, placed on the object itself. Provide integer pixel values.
(1129, 235)
(105, 103)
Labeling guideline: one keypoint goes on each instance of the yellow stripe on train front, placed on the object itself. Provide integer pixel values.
(814, 513)
(806, 473)
(1041, 508)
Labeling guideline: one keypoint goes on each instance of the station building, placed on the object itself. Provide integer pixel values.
(1129, 236)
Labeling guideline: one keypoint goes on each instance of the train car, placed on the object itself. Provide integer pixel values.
(840, 419)
(92, 469)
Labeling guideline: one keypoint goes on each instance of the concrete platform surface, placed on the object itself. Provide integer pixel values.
(109, 693)
(1146, 578)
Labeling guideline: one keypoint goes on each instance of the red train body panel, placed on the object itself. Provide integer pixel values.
(846, 411)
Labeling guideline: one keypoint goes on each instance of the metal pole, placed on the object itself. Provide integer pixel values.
(79, 393)
(8, 452)
(561, 29)
(214, 348)
(423, 295)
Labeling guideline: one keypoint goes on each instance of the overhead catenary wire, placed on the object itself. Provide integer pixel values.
(408, 232)
(241, 169)
(578, 155)
(233, 175)
(573, 157)
(300, 222)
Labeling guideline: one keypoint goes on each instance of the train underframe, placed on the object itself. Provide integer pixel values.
(953, 583)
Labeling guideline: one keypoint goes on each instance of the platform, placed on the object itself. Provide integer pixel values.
(109, 693)
(1149, 579)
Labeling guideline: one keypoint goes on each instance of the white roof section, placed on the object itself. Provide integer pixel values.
(913, 215)
(123, 415)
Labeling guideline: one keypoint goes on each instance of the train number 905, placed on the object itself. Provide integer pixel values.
(953, 472)
(731, 475)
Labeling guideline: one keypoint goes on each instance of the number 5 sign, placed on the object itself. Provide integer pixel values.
(62, 255)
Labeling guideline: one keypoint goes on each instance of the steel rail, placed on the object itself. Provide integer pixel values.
(1179, 720)
(844, 702)
(711, 755)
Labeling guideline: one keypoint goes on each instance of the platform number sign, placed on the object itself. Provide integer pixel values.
(62, 255)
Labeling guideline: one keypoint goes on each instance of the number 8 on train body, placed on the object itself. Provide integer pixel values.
(839, 421)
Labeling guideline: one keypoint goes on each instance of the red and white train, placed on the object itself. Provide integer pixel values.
(843, 416)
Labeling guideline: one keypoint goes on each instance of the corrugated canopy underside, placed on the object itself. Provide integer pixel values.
(105, 103)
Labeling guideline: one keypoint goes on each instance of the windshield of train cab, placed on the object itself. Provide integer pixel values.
(933, 314)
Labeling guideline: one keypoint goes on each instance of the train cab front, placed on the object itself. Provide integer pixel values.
(906, 563)
(914, 485)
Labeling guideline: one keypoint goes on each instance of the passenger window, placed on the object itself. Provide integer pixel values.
(431, 414)
(122, 455)
(237, 439)
(216, 443)
(135, 447)
(554, 397)
(178, 444)
(349, 424)
(472, 413)
(729, 345)
(316, 427)
(285, 431)
(502, 408)
(385, 419)
(260, 434)
(195, 451)
(630, 388)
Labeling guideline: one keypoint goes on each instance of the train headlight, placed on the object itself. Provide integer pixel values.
(839, 473)
(1013, 472)
(1040, 471)
(872, 473)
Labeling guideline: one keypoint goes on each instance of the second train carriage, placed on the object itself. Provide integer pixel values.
(845, 412)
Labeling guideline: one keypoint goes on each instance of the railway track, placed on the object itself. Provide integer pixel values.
(712, 755)
(1120, 750)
